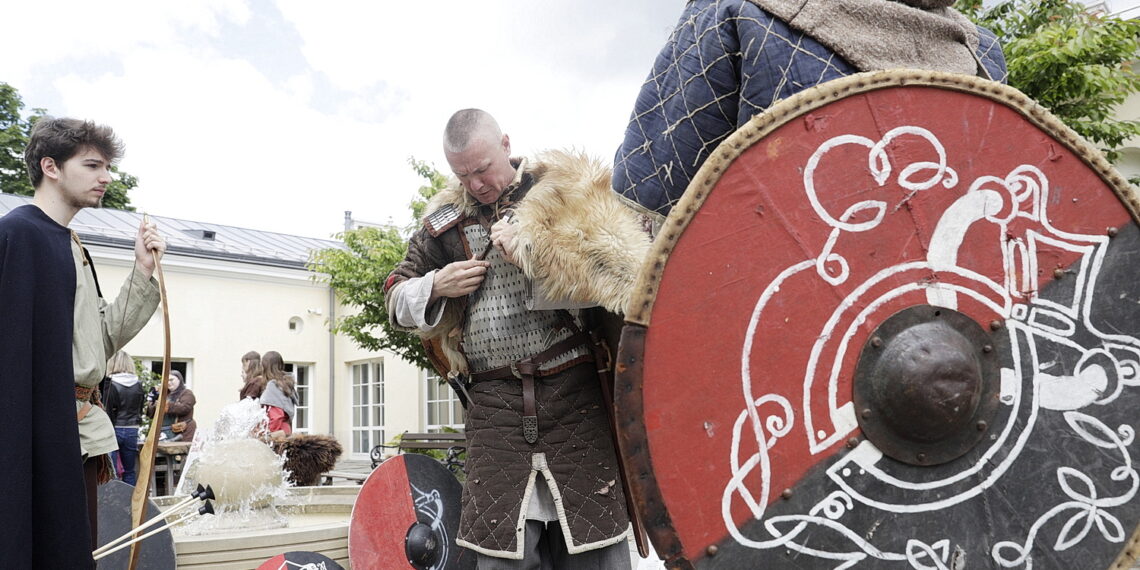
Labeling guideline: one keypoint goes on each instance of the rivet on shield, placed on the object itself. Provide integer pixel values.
(927, 385)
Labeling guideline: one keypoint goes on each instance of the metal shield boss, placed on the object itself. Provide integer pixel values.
(893, 323)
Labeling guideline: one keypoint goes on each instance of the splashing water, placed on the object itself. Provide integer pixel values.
(245, 473)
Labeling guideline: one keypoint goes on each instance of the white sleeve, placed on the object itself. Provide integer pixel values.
(411, 303)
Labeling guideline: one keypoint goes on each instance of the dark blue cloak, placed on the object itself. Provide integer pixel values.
(43, 505)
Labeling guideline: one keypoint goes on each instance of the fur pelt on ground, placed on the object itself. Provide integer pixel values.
(307, 456)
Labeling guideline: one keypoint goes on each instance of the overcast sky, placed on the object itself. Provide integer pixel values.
(281, 114)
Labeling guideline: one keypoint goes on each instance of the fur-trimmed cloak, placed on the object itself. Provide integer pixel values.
(576, 239)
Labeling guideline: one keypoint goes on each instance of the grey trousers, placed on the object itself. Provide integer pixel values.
(545, 549)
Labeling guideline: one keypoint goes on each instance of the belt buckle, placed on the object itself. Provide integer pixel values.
(515, 370)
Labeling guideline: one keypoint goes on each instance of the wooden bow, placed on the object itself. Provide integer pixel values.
(147, 453)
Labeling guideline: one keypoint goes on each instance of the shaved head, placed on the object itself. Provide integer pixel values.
(469, 125)
(479, 154)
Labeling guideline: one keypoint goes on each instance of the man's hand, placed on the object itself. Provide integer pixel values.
(147, 240)
(458, 279)
(503, 235)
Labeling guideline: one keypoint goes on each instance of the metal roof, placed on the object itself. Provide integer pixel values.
(117, 228)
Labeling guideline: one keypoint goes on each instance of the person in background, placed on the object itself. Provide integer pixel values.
(253, 379)
(178, 423)
(124, 404)
(280, 396)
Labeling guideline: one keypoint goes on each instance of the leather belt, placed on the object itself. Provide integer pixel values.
(83, 393)
(530, 413)
(526, 370)
(557, 349)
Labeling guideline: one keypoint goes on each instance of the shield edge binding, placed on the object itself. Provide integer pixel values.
(629, 404)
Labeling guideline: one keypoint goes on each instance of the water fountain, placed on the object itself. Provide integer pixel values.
(258, 514)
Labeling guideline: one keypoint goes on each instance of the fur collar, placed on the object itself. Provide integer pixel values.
(576, 237)
(455, 195)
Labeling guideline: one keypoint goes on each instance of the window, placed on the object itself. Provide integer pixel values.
(367, 405)
(302, 373)
(183, 366)
(443, 406)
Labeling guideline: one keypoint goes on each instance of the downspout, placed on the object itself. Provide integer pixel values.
(348, 224)
(332, 363)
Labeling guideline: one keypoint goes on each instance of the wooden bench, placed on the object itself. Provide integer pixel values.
(329, 476)
(453, 443)
(169, 458)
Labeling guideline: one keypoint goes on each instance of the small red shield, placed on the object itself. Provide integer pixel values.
(406, 516)
(300, 559)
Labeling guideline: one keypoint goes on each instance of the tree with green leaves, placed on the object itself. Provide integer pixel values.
(357, 273)
(1073, 61)
(16, 129)
(436, 181)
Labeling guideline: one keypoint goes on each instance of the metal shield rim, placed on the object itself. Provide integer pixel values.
(633, 440)
(630, 362)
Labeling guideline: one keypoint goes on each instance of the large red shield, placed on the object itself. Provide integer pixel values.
(894, 322)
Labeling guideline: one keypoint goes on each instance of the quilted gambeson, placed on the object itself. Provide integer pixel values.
(725, 61)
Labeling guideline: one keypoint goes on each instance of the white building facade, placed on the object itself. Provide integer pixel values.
(232, 290)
